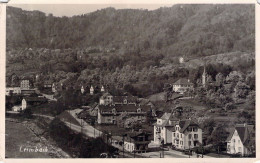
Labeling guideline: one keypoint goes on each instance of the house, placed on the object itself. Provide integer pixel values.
(106, 99)
(16, 108)
(91, 90)
(186, 134)
(102, 89)
(53, 88)
(47, 84)
(25, 84)
(82, 90)
(125, 100)
(30, 101)
(110, 114)
(240, 139)
(27, 92)
(182, 85)
(163, 128)
(12, 90)
(136, 142)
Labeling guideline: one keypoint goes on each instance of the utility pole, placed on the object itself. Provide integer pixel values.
(189, 149)
(123, 146)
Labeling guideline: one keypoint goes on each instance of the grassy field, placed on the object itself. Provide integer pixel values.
(17, 136)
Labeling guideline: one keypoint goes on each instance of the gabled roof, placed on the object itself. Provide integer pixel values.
(120, 99)
(105, 95)
(245, 133)
(48, 82)
(182, 81)
(35, 99)
(184, 124)
(122, 108)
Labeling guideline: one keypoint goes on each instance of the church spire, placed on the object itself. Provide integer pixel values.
(204, 76)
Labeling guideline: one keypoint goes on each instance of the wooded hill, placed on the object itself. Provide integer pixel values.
(180, 30)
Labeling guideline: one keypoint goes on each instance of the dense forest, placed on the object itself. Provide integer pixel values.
(181, 30)
(134, 50)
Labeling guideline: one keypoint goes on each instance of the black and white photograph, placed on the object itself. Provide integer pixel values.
(130, 81)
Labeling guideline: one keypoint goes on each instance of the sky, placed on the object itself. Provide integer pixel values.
(78, 9)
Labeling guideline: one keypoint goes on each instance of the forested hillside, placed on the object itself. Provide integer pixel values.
(134, 50)
(181, 30)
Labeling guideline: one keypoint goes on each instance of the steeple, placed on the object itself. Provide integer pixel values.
(204, 76)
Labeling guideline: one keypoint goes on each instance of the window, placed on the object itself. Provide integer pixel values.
(181, 135)
(177, 135)
(195, 129)
(174, 134)
(189, 136)
(234, 140)
(195, 136)
(189, 143)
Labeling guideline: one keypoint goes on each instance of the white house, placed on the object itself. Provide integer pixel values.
(91, 90)
(53, 88)
(102, 89)
(186, 135)
(106, 99)
(12, 90)
(240, 139)
(163, 128)
(16, 108)
(82, 89)
(25, 84)
(182, 85)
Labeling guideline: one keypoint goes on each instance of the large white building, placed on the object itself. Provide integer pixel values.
(12, 90)
(163, 128)
(240, 139)
(182, 134)
(186, 135)
(182, 85)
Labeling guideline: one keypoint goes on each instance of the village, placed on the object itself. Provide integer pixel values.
(134, 126)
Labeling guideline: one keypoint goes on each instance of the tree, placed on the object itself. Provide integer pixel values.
(219, 135)
(241, 90)
(27, 113)
(220, 79)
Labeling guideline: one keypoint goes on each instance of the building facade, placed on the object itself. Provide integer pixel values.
(240, 139)
(182, 85)
(163, 128)
(25, 84)
(12, 90)
(111, 114)
(186, 135)
(106, 99)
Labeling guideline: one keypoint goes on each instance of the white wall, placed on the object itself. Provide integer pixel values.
(236, 146)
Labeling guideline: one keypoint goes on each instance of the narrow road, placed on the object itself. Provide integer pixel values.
(87, 129)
